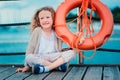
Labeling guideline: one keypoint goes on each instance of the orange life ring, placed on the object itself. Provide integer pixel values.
(68, 37)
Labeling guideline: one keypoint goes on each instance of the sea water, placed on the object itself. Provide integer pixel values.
(14, 39)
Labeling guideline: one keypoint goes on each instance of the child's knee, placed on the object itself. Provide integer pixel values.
(72, 53)
(68, 55)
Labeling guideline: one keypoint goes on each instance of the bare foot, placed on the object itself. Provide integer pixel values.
(22, 69)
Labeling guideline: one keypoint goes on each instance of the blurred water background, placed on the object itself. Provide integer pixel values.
(14, 38)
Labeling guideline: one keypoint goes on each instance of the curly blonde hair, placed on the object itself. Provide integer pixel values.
(35, 21)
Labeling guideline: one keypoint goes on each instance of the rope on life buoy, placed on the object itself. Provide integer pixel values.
(91, 42)
(85, 25)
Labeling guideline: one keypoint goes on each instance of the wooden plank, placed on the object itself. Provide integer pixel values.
(19, 76)
(3, 68)
(5, 74)
(57, 75)
(111, 73)
(75, 73)
(37, 76)
(93, 73)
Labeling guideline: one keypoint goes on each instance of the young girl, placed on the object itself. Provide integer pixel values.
(44, 52)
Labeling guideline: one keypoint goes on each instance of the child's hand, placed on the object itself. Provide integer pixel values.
(22, 69)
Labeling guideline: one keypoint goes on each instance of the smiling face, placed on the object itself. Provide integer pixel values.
(46, 20)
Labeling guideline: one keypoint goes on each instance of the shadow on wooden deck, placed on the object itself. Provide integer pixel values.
(75, 72)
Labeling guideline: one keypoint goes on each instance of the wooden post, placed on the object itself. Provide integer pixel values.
(80, 57)
(79, 24)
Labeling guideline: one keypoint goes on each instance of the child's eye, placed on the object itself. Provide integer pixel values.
(41, 18)
(48, 17)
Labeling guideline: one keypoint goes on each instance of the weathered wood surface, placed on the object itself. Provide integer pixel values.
(73, 73)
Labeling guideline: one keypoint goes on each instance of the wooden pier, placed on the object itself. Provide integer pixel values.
(75, 72)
